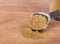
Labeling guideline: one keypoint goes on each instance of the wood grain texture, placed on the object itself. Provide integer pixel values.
(13, 17)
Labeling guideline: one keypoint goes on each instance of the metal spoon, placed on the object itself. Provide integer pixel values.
(49, 16)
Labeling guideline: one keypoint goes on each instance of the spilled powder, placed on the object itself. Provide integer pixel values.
(37, 22)
(29, 33)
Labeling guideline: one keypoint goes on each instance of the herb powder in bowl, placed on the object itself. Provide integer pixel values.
(37, 22)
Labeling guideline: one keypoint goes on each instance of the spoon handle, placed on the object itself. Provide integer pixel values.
(55, 14)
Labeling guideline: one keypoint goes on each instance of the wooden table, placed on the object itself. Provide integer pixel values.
(13, 17)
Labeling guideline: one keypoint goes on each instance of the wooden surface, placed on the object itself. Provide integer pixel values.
(13, 17)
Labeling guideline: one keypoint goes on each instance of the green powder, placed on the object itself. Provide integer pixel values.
(28, 33)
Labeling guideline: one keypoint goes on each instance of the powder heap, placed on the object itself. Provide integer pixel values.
(37, 22)
(28, 33)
